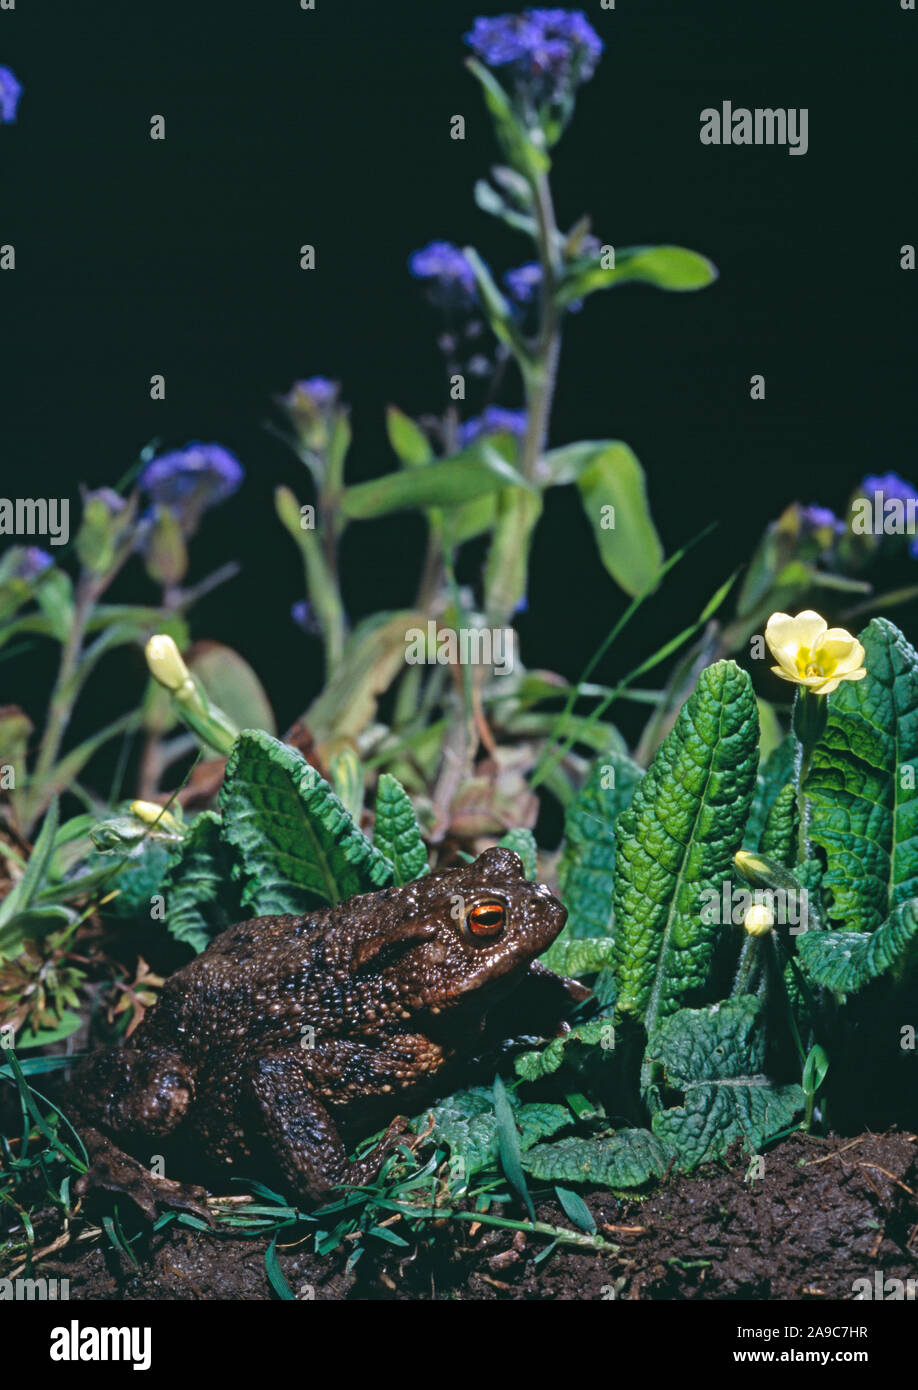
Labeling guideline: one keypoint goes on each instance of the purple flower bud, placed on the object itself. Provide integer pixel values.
(890, 485)
(31, 562)
(10, 92)
(302, 614)
(523, 283)
(493, 420)
(188, 481)
(449, 276)
(317, 391)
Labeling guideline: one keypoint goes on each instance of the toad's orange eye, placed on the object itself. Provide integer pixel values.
(487, 919)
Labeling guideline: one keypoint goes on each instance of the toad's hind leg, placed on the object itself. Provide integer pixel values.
(302, 1136)
(144, 1095)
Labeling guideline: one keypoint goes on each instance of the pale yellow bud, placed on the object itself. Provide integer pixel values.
(759, 920)
(151, 814)
(165, 662)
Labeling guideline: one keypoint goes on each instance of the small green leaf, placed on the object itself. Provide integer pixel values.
(231, 684)
(276, 1275)
(522, 842)
(408, 440)
(530, 1066)
(396, 833)
(773, 775)
(576, 1210)
(466, 1124)
(630, 1158)
(614, 493)
(779, 835)
(579, 955)
(664, 267)
(847, 961)
(293, 838)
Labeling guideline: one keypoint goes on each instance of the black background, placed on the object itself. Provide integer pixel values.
(331, 127)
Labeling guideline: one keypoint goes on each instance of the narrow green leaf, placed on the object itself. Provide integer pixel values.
(508, 1146)
(864, 806)
(576, 1210)
(587, 864)
(664, 267)
(475, 471)
(677, 839)
(396, 833)
(408, 440)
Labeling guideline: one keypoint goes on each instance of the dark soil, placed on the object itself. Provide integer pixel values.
(824, 1213)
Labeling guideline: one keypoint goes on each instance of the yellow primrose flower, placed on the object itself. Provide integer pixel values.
(811, 653)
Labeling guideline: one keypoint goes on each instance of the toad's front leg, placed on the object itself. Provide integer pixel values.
(289, 1087)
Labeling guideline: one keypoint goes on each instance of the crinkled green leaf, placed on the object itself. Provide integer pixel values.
(585, 870)
(863, 817)
(396, 833)
(779, 835)
(715, 1058)
(202, 899)
(630, 1158)
(772, 776)
(467, 1125)
(578, 955)
(531, 1065)
(294, 840)
(522, 842)
(846, 961)
(137, 880)
(677, 840)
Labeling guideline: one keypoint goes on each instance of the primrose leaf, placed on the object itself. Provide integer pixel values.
(677, 840)
(467, 1125)
(846, 961)
(294, 840)
(630, 1158)
(396, 832)
(585, 870)
(578, 955)
(773, 776)
(596, 1033)
(864, 819)
(522, 842)
(779, 835)
(202, 899)
(716, 1057)
(136, 880)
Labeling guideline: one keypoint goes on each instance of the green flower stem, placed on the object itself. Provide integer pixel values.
(748, 961)
(809, 722)
(777, 991)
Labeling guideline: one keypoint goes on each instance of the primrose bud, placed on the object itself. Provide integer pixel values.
(151, 814)
(759, 920)
(763, 872)
(165, 663)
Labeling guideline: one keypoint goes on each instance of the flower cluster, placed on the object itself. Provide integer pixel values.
(889, 487)
(493, 420)
(10, 92)
(447, 274)
(187, 482)
(548, 52)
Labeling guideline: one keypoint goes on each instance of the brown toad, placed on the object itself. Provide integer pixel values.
(284, 1022)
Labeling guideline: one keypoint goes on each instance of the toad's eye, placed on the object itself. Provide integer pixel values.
(487, 919)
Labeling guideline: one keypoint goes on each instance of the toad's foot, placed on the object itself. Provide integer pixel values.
(115, 1171)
